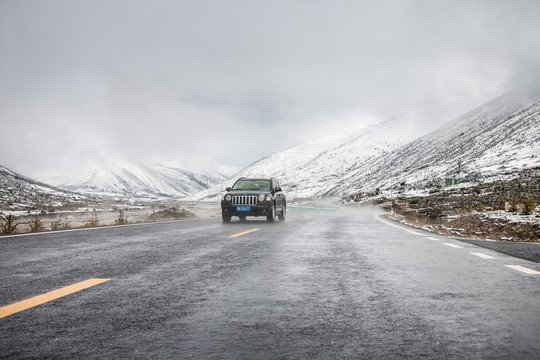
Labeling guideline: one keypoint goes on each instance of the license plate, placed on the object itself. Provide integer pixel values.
(243, 208)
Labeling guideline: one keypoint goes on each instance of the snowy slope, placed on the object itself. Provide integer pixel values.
(310, 169)
(499, 137)
(115, 175)
(502, 136)
(18, 192)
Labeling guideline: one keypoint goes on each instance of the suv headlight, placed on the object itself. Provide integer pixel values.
(228, 197)
(262, 197)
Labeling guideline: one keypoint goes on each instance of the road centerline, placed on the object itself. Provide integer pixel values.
(50, 296)
(244, 233)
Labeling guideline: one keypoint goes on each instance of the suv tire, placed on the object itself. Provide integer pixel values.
(272, 214)
(281, 216)
(226, 218)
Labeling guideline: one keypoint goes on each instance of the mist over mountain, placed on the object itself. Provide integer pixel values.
(496, 139)
(499, 137)
(308, 169)
(113, 174)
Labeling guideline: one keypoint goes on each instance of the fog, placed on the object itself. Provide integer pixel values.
(232, 81)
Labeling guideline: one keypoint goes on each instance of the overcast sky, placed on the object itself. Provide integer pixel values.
(232, 81)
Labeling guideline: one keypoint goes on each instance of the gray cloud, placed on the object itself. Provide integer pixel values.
(231, 81)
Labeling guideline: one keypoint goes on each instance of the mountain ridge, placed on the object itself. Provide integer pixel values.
(499, 136)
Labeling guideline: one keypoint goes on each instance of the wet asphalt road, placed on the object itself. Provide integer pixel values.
(328, 286)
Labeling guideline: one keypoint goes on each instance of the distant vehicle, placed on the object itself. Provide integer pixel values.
(254, 197)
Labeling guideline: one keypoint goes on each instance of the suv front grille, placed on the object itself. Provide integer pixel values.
(244, 200)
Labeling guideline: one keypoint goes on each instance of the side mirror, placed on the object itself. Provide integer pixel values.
(278, 189)
(228, 189)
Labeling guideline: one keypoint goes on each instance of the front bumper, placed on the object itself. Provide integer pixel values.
(254, 210)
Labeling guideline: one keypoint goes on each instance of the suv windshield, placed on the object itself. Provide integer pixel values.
(262, 185)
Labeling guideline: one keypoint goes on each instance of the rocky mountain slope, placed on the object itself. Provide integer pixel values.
(500, 137)
(112, 174)
(18, 192)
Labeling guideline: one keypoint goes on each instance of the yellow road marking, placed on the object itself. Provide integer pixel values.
(50, 296)
(244, 233)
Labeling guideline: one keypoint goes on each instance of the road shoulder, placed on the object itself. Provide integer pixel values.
(523, 250)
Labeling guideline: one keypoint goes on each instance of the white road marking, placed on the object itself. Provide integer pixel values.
(523, 269)
(432, 239)
(482, 255)
(453, 245)
(396, 226)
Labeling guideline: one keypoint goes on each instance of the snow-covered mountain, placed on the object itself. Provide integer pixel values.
(500, 137)
(113, 174)
(310, 169)
(18, 192)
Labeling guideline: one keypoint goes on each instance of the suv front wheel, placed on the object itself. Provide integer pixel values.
(271, 214)
(281, 216)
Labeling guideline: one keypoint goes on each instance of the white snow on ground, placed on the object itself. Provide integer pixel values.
(512, 217)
